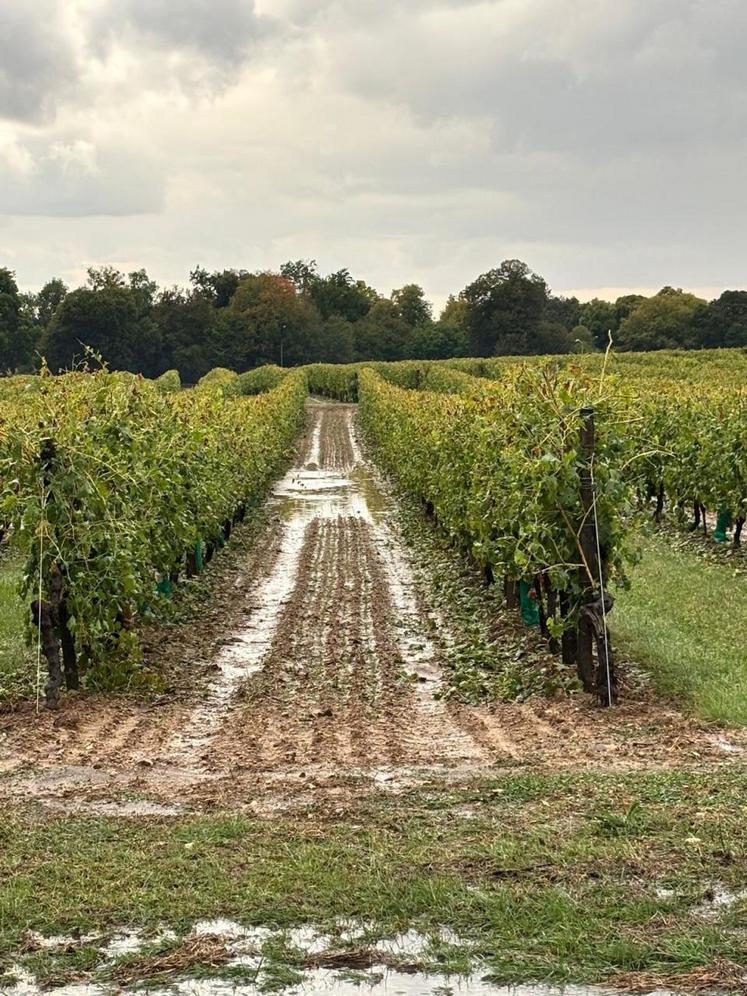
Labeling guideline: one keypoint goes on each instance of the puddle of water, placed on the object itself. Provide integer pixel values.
(305, 494)
(27, 986)
(380, 981)
(720, 899)
(377, 980)
(315, 449)
(232, 931)
(38, 941)
(310, 483)
(417, 649)
(371, 494)
(126, 942)
(243, 657)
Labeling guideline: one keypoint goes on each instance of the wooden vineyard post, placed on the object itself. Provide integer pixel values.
(596, 677)
(589, 569)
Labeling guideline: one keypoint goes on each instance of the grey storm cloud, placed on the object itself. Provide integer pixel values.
(221, 31)
(606, 139)
(37, 63)
(75, 179)
(650, 75)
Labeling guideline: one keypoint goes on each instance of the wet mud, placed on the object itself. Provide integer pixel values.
(318, 677)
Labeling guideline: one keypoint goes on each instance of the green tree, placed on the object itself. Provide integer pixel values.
(383, 334)
(269, 322)
(506, 306)
(48, 300)
(667, 320)
(335, 341)
(565, 311)
(412, 305)
(189, 326)
(219, 286)
(12, 346)
(303, 273)
(627, 304)
(600, 318)
(143, 289)
(105, 278)
(110, 318)
(724, 321)
(339, 294)
(551, 338)
(456, 313)
(440, 340)
(582, 340)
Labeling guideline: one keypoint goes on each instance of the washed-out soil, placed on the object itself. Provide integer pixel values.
(313, 674)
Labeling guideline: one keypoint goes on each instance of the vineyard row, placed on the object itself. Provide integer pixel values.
(541, 472)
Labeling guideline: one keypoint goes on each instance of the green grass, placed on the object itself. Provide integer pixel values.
(685, 619)
(557, 878)
(16, 666)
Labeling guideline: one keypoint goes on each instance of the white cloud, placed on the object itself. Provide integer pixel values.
(37, 62)
(415, 139)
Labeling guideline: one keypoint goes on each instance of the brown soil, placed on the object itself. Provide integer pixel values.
(311, 676)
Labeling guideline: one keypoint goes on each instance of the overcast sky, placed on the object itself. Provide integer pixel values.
(602, 141)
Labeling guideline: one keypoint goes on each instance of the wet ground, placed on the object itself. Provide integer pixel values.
(386, 969)
(316, 677)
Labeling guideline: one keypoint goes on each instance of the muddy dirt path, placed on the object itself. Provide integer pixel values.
(324, 682)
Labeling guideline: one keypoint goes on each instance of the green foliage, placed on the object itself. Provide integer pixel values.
(499, 465)
(664, 321)
(438, 341)
(48, 300)
(16, 660)
(382, 334)
(107, 318)
(505, 308)
(268, 322)
(413, 307)
(169, 382)
(13, 387)
(109, 482)
(226, 382)
(13, 344)
(336, 294)
(239, 320)
(333, 380)
(262, 379)
(724, 322)
(218, 287)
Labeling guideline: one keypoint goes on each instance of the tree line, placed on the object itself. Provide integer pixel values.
(233, 318)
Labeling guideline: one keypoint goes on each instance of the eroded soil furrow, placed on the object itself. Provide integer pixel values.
(316, 672)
